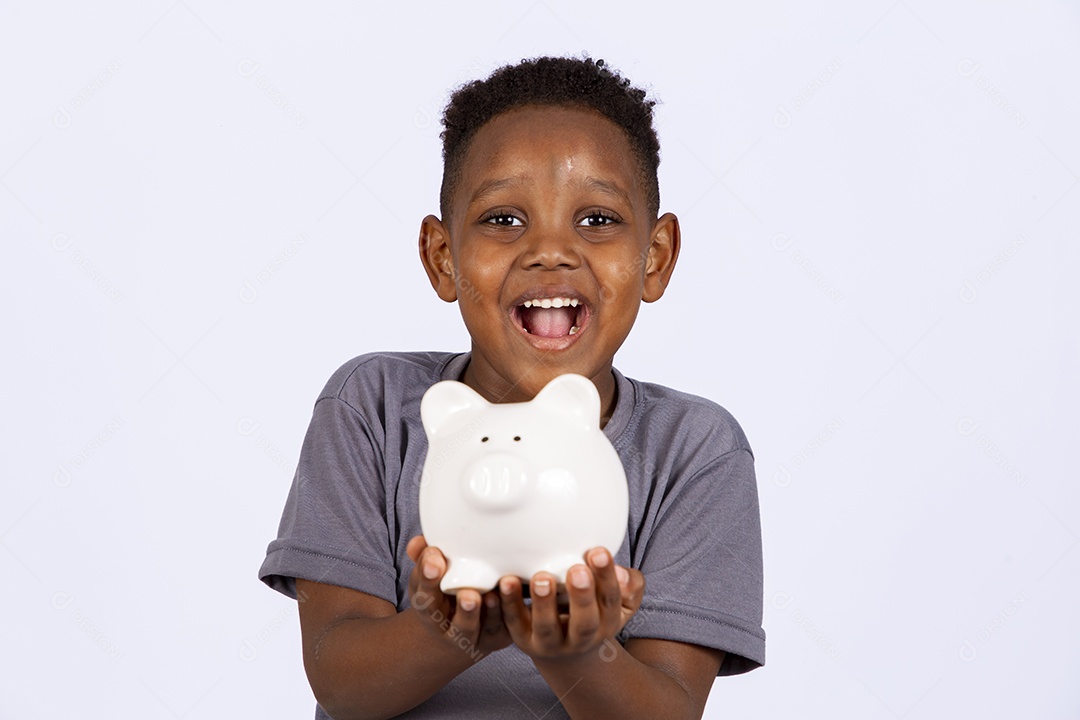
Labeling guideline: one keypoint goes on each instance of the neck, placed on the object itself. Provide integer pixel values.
(496, 388)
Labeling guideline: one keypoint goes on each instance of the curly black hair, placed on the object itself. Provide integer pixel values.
(559, 81)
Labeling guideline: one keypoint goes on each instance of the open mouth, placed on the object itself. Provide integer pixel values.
(551, 317)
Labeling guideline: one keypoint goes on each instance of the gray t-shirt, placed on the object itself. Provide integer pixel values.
(694, 529)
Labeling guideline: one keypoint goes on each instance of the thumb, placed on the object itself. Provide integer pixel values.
(415, 547)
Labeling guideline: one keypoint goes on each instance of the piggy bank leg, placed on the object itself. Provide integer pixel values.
(560, 565)
(469, 574)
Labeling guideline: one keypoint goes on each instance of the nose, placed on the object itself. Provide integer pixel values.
(496, 482)
(550, 248)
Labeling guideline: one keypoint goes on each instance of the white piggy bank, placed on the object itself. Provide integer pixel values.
(517, 488)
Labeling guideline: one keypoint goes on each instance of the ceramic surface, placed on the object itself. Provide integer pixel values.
(516, 488)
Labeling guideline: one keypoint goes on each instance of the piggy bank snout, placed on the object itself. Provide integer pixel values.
(496, 482)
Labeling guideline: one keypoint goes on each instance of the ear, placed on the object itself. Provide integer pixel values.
(446, 401)
(575, 398)
(661, 256)
(436, 257)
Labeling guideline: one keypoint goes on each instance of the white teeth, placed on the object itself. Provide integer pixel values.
(573, 329)
(551, 302)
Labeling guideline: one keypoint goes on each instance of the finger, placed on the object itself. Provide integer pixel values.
(585, 620)
(608, 591)
(432, 564)
(515, 615)
(466, 618)
(493, 619)
(547, 633)
(425, 577)
(635, 589)
(415, 547)
(627, 589)
(632, 592)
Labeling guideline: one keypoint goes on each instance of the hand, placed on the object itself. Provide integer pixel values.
(468, 621)
(602, 599)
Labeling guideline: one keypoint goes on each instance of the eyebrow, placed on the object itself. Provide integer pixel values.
(490, 187)
(608, 188)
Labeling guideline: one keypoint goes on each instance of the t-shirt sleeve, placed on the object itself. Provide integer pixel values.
(333, 528)
(702, 565)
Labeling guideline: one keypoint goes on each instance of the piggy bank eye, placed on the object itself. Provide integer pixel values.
(484, 439)
(517, 438)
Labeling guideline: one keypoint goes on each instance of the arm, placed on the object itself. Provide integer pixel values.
(592, 674)
(648, 678)
(366, 660)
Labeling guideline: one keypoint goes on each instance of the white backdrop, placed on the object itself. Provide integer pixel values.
(206, 210)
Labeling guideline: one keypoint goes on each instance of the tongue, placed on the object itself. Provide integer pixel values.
(548, 322)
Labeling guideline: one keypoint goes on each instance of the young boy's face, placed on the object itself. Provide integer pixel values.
(549, 205)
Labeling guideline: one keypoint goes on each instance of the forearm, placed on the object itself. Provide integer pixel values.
(381, 667)
(612, 683)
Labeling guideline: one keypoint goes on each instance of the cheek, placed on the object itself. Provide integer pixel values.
(625, 270)
(478, 280)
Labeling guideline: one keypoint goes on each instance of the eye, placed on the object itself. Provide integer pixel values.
(517, 438)
(484, 439)
(598, 219)
(501, 218)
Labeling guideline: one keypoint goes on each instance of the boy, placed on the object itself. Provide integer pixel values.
(549, 240)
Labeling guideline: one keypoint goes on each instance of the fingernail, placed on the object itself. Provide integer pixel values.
(622, 574)
(579, 576)
(468, 604)
(600, 558)
(506, 586)
(542, 587)
(431, 571)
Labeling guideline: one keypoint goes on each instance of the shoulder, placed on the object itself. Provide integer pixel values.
(379, 377)
(673, 417)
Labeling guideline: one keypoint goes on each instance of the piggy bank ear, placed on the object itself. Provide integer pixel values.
(574, 397)
(447, 402)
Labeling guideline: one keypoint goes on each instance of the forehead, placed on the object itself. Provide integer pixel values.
(541, 143)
